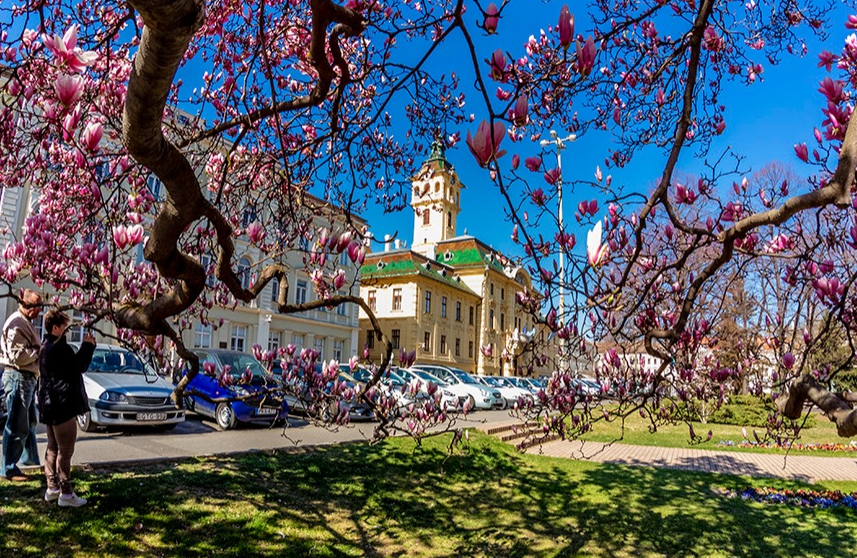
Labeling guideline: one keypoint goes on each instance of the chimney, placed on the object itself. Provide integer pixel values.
(387, 243)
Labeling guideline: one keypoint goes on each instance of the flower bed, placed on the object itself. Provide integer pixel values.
(851, 446)
(803, 498)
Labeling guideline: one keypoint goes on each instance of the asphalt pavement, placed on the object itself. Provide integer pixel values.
(199, 436)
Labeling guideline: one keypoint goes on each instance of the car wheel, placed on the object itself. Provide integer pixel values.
(471, 403)
(225, 416)
(84, 422)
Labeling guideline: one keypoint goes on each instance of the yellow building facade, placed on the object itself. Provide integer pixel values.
(451, 297)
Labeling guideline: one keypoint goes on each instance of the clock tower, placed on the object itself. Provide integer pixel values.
(436, 199)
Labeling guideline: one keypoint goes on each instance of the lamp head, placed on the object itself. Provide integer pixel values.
(553, 134)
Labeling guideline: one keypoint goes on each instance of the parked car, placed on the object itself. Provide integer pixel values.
(530, 384)
(262, 406)
(298, 402)
(448, 397)
(510, 392)
(462, 384)
(123, 392)
(392, 385)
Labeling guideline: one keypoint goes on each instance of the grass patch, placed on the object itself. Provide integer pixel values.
(399, 500)
(635, 430)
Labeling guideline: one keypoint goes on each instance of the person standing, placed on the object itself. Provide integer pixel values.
(20, 346)
(62, 397)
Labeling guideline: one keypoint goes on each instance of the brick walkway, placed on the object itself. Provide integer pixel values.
(799, 467)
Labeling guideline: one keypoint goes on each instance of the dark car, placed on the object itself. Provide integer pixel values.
(264, 403)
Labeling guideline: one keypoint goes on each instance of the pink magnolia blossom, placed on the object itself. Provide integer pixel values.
(498, 65)
(92, 136)
(595, 250)
(712, 41)
(538, 197)
(491, 18)
(788, 361)
(519, 114)
(553, 176)
(69, 89)
(66, 51)
(565, 27)
(585, 57)
(338, 279)
(256, 232)
(802, 152)
(533, 163)
(486, 143)
(487, 350)
(120, 236)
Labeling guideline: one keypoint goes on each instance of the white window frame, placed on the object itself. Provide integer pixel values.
(238, 338)
(202, 335)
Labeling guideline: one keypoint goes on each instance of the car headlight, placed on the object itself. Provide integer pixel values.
(113, 397)
(485, 394)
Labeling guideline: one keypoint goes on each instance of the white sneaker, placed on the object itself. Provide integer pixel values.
(51, 494)
(70, 501)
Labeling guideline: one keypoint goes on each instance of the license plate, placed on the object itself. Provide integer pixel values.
(267, 411)
(151, 416)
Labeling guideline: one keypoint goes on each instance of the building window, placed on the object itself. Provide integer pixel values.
(457, 347)
(239, 338)
(397, 334)
(492, 289)
(275, 289)
(298, 340)
(457, 311)
(491, 318)
(502, 294)
(243, 272)
(471, 315)
(342, 309)
(502, 321)
(207, 264)
(338, 347)
(426, 216)
(427, 341)
(373, 301)
(303, 242)
(343, 257)
(154, 184)
(273, 340)
(449, 219)
(428, 302)
(443, 307)
(319, 346)
(443, 344)
(397, 299)
(249, 217)
(300, 293)
(470, 349)
(370, 339)
(202, 336)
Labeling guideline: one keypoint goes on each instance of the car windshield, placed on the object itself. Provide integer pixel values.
(117, 361)
(424, 376)
(501, 382)
(464, 376)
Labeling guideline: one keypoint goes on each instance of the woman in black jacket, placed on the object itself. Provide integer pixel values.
(62, 398)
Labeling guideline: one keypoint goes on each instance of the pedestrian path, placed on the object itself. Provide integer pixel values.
(808, 468)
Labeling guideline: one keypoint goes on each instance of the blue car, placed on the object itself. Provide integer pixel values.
(267, 407)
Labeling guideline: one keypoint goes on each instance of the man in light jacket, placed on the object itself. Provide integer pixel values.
(20, 346)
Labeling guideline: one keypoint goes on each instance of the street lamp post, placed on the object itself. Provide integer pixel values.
(560, 145)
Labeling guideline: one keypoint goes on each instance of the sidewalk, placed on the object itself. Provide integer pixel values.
(806, 468)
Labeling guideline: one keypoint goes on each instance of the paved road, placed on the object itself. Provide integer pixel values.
(197, 437)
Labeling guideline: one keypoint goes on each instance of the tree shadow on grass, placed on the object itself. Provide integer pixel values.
(393, 500)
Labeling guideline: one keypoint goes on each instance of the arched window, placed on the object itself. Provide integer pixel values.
(449, 219)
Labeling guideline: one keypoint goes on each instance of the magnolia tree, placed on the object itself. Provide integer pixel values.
(256, 117)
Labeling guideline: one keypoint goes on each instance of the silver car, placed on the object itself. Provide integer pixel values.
(123, 391)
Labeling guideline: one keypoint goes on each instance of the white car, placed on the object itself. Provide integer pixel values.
(510, 392)
(462, 384)
(420, 380)
(123, 391)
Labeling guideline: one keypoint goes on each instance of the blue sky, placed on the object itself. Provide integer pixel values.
(764, 121)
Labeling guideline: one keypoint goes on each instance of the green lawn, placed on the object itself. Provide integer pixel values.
(635, 430)
(397, 500)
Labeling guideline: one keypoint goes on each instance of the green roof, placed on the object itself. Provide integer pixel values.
(403, 265)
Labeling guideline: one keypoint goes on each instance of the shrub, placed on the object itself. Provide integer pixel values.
(749, 410)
